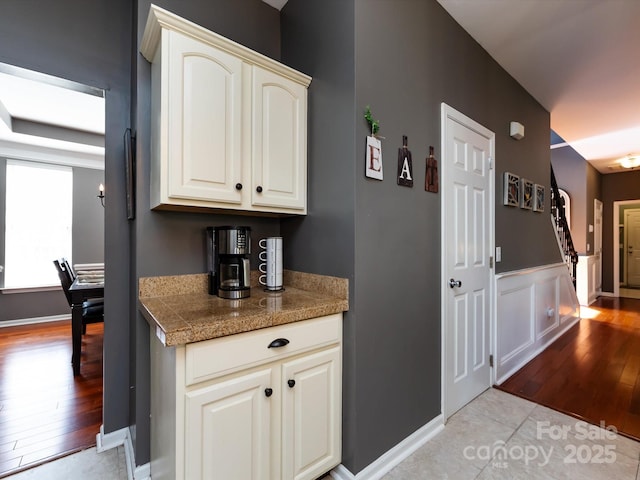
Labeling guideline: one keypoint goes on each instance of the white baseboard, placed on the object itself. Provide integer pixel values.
(34, 320)
(386, 462)
(116, 439)
(607, 294)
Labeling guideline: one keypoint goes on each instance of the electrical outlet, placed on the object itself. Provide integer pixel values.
(498, 254)
(588, 247)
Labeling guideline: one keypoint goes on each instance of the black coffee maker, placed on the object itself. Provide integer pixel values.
(228, 251)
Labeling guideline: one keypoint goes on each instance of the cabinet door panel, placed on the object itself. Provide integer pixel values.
(311, 415)
(228, 429)
(204, 120)
(279, 141)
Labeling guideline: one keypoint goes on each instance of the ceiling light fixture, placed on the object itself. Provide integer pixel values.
(630, 161)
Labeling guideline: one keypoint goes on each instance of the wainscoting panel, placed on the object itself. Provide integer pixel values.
(586, 279)
(533, 308)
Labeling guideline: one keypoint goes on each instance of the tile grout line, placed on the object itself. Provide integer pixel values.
(515, 430)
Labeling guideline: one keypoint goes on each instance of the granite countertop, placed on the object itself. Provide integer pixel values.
(182, 311)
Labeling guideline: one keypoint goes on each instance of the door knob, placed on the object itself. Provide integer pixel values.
(455, 283)
(291, 383)
(268, 392)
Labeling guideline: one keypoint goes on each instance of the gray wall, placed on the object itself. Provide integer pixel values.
(570, 169)
(87, 246)
(318, 39)
(409, 57)
(170, 243)
(583, 183)
(615, 187)
(90, 43)
(594, 191)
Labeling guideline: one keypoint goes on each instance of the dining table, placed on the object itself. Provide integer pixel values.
(80, 291)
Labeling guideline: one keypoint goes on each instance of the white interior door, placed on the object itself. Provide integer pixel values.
(467, 243)
(632, 246)
(597, 244)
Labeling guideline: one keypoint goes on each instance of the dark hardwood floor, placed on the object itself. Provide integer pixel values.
(44, 411)
(592, 371)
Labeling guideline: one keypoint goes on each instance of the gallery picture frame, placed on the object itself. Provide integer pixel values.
(373, 161)
(526, 194)
(511, 189)
(538, 198)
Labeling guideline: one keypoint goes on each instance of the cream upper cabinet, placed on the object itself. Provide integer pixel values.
(200, 154)
(229, 125)
(279, 141)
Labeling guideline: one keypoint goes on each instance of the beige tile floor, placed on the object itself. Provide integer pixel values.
(500, 436)
(84, 465)
(497, 436)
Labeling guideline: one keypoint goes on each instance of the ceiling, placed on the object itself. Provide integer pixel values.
(52, 120)
(578, 58)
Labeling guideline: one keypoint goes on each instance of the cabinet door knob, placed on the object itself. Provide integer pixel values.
(238, 186)
(291, 383)
(278, 342)
(268, 392)
(259, 189)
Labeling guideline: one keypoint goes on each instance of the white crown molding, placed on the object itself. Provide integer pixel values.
(87, 157)
(160, 18)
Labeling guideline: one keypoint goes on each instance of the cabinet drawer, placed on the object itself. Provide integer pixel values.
(222, 356)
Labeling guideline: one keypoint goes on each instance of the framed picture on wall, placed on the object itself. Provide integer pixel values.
(538, 198)
(373, 167)
(526, 194)
(511, 189)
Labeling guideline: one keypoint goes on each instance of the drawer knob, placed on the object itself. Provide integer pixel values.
(259, 189)
(238, 186)
(268, 392)
(291, 383)
(278, 342)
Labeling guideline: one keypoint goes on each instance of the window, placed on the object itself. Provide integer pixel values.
(37, 223)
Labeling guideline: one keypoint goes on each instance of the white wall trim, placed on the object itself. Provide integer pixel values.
(534, 307)
(616, 241)
(34, 320)
(585, 279)
(608, 294)
(387, 461)
(107, 441)
(43, 288)
(85, 157)
(529, 271)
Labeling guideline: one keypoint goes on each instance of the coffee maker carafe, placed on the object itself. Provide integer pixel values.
(228, 251)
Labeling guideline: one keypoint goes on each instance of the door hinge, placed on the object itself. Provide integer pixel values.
(491, 360)
(491, 261)
(490, 163)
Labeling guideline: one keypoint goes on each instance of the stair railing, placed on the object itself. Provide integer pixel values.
(562, 229)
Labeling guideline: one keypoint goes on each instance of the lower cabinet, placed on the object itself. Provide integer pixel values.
(262, 412)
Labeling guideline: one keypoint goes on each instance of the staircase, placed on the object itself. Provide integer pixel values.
(562, 229)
